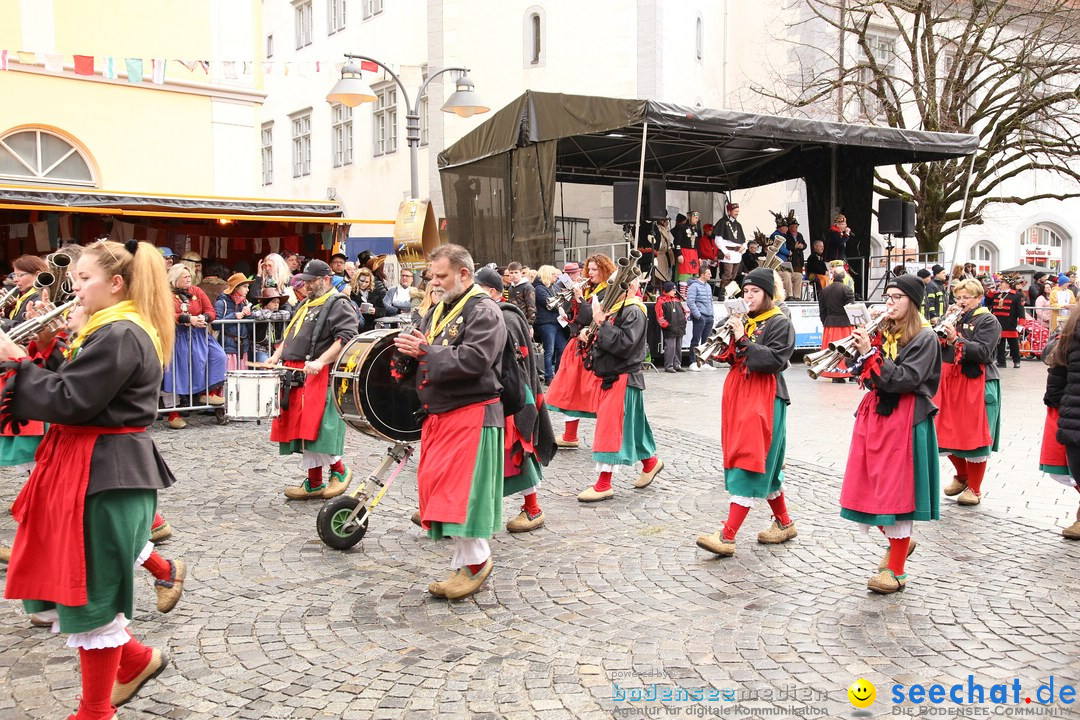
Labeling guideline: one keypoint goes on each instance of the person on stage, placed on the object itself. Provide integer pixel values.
(891, 478)
(1060, 454)
(529, 439)
(623, 434)
(85, 514)
(732, 245)
(454, 357)
(575, 391)
(753, 420)
(969, 423)
(832, 300)
(685, 235)
(308, 423)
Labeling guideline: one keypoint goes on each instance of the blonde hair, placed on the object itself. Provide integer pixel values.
(429, 301)
(839, 219)
(281, 275)
(354, 281)
(971, 286)
(176, 271)
(547, 274)
(143, 273)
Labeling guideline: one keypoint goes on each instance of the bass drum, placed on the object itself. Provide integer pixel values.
(365, 394)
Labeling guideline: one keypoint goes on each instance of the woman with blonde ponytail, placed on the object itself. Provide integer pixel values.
(77, 568)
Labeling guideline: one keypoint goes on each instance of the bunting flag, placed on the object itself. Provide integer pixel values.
(134, 70)
(137, 72)
(158, 71)
(189, 64)
(205, 65)
(229, 67)
(108, 68)
(54, 62)
(3, 60)
(27, 58)
(84, 64)
(268, 67)
(369, 66)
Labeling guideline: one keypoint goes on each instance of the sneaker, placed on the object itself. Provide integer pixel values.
(708, 368)
(464, 583)
(956, 487)
(339, 482)
(886, 583)
(122, 692)
(716, 544)
(969, 497)
(645, 478)
(567, 444)
(777, 533)
(888, 554)
(161, 533)
(525, 522)
(693, 367)
(169, 591)
(589, 495)
(304, 491)
(438, 588)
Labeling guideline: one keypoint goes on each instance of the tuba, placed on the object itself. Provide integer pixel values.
(626, 271)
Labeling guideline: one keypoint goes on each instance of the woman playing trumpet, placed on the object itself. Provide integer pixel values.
(891, 478)
(27, 268)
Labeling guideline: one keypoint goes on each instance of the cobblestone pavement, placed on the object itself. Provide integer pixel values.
(274, 624)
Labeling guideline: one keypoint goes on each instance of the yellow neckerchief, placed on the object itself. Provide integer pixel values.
(981, 310)
(439, 323)
(123, 310)
(22, 301)
(634, 301)
(589, 293)
(890, 342)
(301, 313)
(753, 321)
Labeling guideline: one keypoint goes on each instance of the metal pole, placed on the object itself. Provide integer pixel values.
(640, 184)
(963, 209)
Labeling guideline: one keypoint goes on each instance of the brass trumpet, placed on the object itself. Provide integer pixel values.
(626, 272)
(830, 358)
(714, 345)
(565, 295)
(29, 328)
(949, 318)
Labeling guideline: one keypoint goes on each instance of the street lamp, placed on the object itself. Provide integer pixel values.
(351, 90)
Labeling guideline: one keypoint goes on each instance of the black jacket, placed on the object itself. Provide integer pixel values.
(934, 302)
(671, 310)
(532, 421)
(620, 347)
(1068, 433)
(831, 302)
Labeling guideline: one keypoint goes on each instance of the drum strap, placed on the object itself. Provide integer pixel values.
(320, 322)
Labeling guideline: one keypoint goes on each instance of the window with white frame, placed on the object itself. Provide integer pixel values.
(534, 37)
(422, 108)
(267, 153)
(335, 16)
(984, 255)
(1043, 246)
(301, 143)
(304, 23)
(270, 45)
(372, 8)
(699, 38)
(342, 133)
(884, 50)
(39, 156)
(384, 117)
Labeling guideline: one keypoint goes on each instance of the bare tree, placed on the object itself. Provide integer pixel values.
(1007, 71)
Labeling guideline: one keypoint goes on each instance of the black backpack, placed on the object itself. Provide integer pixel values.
(512, 374)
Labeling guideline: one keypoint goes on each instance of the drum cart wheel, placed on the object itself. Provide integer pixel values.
(343, 521)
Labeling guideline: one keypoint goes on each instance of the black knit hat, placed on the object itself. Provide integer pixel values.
(909, 285)
(762, 278)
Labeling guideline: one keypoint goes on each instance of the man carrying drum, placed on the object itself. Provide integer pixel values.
(308, 422)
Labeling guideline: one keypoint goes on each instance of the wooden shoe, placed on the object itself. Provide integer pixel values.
(304, 492)
(465, 583)
(338, 484)
(525, 522)
(777, 533)
(956, 487)
(438, 588)
(212, 400)
(416, 519)
(968, 497)
(589, 495)
(122, 692)
(161, 533)
(169, 591)
(5, 554)
(567, 444)
(716, 544)
(645, 478)
(38, 621)
(888, 555)
(886, 583)
(177, 423)
(1072, 532)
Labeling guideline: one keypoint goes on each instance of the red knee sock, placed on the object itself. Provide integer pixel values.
(134, 657)
(338, 467)
(531, 506)
(976, 472)
(570, 433)
(158, 521)
(604, 483)
(961, 466)
(779, 510)
(314, 477)
(648, 464)
(173, 416)
(898, 549)
(158, 566)
(98, 675)
(735, 518)
(474, 569)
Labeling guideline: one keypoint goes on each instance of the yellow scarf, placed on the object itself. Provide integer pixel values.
(754, 320)
(890, 342)
(589, 293)
(439, 323)
(634, 301)
(301, 313)
(22, 301)
(124, 310)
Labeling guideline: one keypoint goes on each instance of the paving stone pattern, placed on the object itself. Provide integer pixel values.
(273, 624)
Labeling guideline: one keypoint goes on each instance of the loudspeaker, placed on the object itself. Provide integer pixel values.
(908, 223)
(653, 201)
(890, 219)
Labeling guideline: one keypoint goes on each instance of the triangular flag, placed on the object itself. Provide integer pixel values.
(84, 64)
(27, 58)
(247, 68)
(158, 71)
(108, 68)
(318, 66)
(54, 62)
(3, 60)
(229, 66)
(369, 66)
(268, 67)
(285, 69)
(189, 64)
(205, 65)
(134, 69)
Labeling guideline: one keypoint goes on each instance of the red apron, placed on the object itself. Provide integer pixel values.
(831, 334)
(610, 417)
(1052, 452)
(48, 559)
(962, 423)
(880, 474)
(689, 265)
(448, 461)
(307, 403)
(574, 387)
(746, 418)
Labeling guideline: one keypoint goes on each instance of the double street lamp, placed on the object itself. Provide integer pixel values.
(351, 90)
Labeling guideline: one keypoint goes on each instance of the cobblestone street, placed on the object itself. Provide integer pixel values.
(275, 624)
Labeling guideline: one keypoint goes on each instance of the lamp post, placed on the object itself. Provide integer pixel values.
(351, 90)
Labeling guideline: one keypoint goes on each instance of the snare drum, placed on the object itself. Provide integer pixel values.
(252, 394)
(366, 395)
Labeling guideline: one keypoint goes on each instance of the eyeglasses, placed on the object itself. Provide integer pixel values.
(18, 274)
(894, 297)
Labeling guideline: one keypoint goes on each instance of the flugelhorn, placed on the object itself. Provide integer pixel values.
(565, 295)
(29, 328)
(949, 318)
(714, 345)
(61, 289)
(626, 272)
(828, 359)
(8, 296)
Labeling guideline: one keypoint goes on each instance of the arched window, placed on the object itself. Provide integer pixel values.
(699, 38)
(984, 255)
(34, 155)
(534, 36)
(1046, 246)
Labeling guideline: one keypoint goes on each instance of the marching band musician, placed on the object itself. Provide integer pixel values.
(85, 514)
(753, 422)
(27, 268)
(969, 423)
(623, 434)
(891, 477)
(308, 423)
(1054, 454)
(455, 355)
(732, 244)
(575, 391)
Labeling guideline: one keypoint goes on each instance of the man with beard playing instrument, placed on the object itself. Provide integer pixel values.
(308, 423)
(456, 356)
(623, 434)
(753, 420)
(891, 477)
(575, 391)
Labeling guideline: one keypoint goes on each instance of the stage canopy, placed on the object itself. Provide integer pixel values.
(499, 180)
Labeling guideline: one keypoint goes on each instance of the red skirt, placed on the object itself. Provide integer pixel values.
(307, 403)
(879, 478)
(574, 389)
(962, 422)
(746, 418)
(690, 263)
(1052, 452)
(832, 334)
